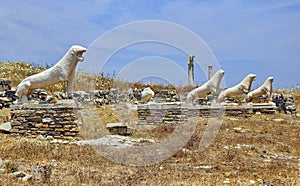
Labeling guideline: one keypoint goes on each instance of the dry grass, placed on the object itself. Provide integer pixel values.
(271, 154)
(294, 93)
(77, 165)
(4, 115)
(17, 71)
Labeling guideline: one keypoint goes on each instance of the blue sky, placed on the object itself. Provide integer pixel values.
(260, 37)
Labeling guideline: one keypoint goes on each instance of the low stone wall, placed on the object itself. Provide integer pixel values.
(157, 113)
(56, 120)
(178, 112)
(173, 113)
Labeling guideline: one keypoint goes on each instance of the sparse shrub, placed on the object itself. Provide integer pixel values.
(230, 155)
(42, 171)
(11, 167)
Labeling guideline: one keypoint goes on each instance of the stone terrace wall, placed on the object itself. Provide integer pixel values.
(172, 113)
(177, 112)
(56, 120)
(158, 113)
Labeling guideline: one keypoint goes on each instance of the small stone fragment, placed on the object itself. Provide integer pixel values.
(226, 181)
(27, 178)
(2, 171)
(18, 174)
(252, 182)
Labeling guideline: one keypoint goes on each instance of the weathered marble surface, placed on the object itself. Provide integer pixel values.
(242, 88)
(64, 70)
(212, 85)
(264, 89)
(146, 94)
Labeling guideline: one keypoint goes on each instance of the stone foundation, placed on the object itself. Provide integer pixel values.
(56, 120)
(157, 113)
(177, 113)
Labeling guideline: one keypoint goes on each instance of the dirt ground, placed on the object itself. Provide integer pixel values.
(256, 150)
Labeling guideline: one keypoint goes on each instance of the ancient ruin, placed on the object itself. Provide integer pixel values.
(264, 89)
(56, 116)
(211, 86)
(242, 88)
(146, 94)
(57, 121)
(64, 70)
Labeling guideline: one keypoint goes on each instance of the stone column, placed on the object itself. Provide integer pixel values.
(65, 88)
(209, 72)
(191, 70)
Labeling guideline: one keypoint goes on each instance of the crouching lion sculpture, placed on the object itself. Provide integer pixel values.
(242, 88)
(64, 70)
(265, 88)
(212, 85)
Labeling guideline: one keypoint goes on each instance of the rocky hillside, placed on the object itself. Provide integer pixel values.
(16, 71)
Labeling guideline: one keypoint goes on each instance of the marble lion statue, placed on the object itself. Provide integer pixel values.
(212, 85)
(264, 89)
(242, 88)
(63, 70)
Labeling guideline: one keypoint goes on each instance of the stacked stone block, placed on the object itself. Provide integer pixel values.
(155, 114)
(178, 113)
(57, 120)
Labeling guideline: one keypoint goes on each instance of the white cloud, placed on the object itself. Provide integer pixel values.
(266, 32)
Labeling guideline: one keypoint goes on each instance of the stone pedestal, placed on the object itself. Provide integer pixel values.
(57, 120)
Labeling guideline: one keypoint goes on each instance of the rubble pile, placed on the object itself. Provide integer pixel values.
(7, 96)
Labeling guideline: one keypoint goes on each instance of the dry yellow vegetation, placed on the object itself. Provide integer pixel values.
(17, 71)
(266, 153)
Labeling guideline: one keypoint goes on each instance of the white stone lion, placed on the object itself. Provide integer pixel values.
(242, 88)
(264, 89)
(64, 70)
(212, 85)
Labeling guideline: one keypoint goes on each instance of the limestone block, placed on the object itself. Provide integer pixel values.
(5, 127)
(74, 130)
(69, 126)
(65, 114)
(19, 127)
(55, 126)
(20, 119)
(46, 129)
(15, 123)
(47, 120)
(59, 129)
(14, 130)
(70, 133)
(68, 118)
(40, 112)
(18, 112)
(51, 112)
(41, 125)
(22, 131)
(35, 119)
